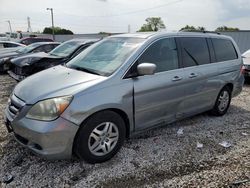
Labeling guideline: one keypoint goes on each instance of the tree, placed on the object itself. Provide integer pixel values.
(192, 28)
(57, 30)
(153, 24)
(225, 28)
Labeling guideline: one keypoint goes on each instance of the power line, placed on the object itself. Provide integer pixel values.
(129, 12)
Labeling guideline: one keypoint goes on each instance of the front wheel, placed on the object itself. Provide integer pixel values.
(100, 137)
(222, 103)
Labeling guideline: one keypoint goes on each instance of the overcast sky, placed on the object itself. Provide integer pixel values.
(91, 16)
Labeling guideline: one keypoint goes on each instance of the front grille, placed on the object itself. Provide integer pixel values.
(15, 105)
(18, 70)
(14, 109)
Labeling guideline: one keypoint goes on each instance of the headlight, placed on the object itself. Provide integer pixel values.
(26, 61)
(50, 109)
(4, 60)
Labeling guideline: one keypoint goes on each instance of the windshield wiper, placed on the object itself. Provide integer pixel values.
(85, 70)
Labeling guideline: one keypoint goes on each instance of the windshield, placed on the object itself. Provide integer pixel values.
(106, 56)
(29, 48)
(65, 49)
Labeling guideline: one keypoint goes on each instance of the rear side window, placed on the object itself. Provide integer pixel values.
(9, 45)
(194, 51)
(224, 50)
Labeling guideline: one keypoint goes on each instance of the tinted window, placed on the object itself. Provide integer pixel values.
(10, 45)
(79, 50)
(48, 47)
(224, 50)
(163, 54)
(39, 49)
(194, 51)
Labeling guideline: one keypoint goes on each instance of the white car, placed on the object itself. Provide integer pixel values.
(246, 62)
(9, 44)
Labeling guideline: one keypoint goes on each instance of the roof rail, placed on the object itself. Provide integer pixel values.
(190, 30)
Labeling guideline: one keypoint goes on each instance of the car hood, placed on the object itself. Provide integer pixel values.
(8, 50)
(54, 82)
(31, 58)
(8, 54)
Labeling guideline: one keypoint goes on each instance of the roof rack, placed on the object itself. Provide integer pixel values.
(190, 30)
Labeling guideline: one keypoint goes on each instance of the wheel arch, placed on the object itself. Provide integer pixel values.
(230, 86)
(120, 112)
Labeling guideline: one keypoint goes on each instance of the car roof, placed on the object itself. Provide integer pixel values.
(43, 43)
(158, 34)
(84, 40)
(35, 38)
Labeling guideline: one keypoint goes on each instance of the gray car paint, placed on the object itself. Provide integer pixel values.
(147, 101)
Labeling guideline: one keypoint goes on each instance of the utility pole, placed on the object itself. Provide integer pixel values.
(52, 19)
(29, 26)
(129, 29)
(9, 27)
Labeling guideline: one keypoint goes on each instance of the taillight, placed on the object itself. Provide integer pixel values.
(242, 69)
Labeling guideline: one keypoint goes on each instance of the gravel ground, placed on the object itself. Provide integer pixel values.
(157, 158)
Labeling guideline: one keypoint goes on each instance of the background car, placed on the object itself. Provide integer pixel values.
(36, 47)
(3, 37)
(31, 40)
(24, 66)
(9, 44)
(246, 65)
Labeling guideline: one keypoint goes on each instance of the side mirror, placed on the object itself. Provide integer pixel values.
(146, 69)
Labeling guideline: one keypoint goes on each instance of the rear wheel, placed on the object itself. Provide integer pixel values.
(223, 102)
(100, 138)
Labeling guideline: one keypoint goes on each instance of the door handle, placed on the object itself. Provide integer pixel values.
(177, 78)
(193, 75)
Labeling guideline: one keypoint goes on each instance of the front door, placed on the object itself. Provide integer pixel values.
(157, 97)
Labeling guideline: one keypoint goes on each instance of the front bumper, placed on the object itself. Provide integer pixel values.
(4, 66)
(51, 140)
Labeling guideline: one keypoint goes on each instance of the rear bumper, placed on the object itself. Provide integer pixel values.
(238, 86)
(247, 73)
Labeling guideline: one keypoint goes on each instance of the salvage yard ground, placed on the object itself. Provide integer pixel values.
(158, 158)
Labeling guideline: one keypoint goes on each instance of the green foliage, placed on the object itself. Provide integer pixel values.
(153, 24)
(192, 28)
(225, 28)
(57, 30)
(104, 33)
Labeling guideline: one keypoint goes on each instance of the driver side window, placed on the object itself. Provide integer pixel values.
(162, 53)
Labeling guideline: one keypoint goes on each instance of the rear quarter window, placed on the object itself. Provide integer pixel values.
(224, 50)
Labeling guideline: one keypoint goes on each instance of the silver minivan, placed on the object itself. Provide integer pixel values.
(121, 86)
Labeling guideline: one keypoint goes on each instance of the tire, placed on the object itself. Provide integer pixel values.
(222, 102)
(97, 140)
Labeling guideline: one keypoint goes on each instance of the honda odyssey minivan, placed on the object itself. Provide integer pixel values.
(121, 86)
